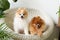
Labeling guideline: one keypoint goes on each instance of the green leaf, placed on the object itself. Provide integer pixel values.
(4, 5)
(2, 24)
(3, 34)
(2, 16)
(59, 11)
(1, 11)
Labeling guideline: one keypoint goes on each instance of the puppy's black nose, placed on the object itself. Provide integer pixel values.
(21, 16)
(38, 26)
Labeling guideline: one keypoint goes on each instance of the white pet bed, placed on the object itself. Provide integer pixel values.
(9, 20)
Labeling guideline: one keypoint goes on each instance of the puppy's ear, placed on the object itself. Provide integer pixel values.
(22, 8)
(34, 18)
(38, 16)
(18, 10)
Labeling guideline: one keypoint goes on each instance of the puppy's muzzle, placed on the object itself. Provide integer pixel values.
(38, 26)
(22, 17)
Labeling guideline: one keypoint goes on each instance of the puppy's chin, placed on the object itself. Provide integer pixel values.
(23, 17)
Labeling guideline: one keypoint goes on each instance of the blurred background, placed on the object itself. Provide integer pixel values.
(48, 6)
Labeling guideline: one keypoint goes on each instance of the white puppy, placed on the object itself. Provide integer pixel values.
(20, 21)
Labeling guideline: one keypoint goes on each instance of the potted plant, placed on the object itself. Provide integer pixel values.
(59, 17)
(4, 5)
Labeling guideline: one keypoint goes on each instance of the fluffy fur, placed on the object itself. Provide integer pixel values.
(36, 26)
(20, 21)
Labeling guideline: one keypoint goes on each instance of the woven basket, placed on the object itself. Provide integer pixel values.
(9, 21)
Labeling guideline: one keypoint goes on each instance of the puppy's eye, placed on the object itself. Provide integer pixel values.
(19, 14)
(23, 14)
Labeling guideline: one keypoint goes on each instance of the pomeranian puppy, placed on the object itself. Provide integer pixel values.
(20, 21)
(36, 26)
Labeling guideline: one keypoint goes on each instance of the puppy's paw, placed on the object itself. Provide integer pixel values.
(39, 34)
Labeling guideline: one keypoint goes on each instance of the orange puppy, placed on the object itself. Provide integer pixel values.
(36, 26)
